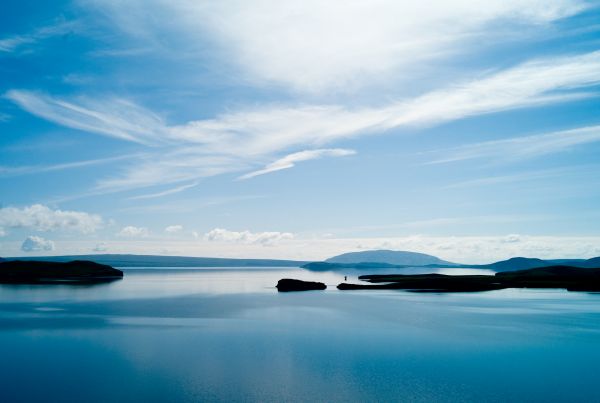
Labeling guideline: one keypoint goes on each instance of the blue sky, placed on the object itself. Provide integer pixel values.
(300, 129)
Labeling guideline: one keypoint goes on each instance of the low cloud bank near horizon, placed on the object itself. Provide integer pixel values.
(260, 238)
(245, 244)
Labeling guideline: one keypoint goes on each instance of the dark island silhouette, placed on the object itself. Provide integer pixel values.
(566, 277)
(41, 272)
(388, 259)
(289, 284)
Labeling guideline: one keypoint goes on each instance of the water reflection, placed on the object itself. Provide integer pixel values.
(227, 335)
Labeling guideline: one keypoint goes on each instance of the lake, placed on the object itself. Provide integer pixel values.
(189, 335)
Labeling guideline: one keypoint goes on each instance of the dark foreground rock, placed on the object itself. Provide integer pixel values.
(288, 284)
(567, 277)
(38, 272)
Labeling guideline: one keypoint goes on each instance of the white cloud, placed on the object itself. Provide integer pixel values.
(522, 147)
(101, 247)
(167, 192)
(117, 118)
(133, 232)
(508, 179)
(289, 160)
(35, 169)
(239, 140)
(184, 164)
(173, 229)
(35, 243)
(262, 238)
(13, 43)
(317, 46)
(512, 238)
(43, 218)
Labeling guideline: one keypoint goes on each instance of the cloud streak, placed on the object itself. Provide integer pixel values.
(237, 141)
(167, 192)
(118, 118)
(13, 43)
(28, 170)
(519, 148)
(290, 160)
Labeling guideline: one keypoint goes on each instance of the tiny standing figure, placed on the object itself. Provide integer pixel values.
(345, 278)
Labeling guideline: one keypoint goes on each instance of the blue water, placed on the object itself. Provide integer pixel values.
(227, 335)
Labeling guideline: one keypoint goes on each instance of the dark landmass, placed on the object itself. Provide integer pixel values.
(567, 277)
(515, 263)
(393, 257)
(288, 284)
(118, 260)
(74, 272)
(166, 261)
(522, 263)
(384, 260)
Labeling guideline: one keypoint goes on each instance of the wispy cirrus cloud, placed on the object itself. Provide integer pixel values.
(13, 43)
(290, 160)
(167, 192)
(522, 147)
(35, 169)
(587, 171)
(238, 141)
(179, 165)
(117, 118)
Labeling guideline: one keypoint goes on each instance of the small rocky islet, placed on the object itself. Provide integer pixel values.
(290, 284)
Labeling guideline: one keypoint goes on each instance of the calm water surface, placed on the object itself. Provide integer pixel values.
(187, 335)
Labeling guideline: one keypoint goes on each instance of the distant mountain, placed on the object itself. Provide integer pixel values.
(523, 263)
(166, 261)
(392, 257)
(592, 263)
(388, 259)
(377, 259)
(516, 263)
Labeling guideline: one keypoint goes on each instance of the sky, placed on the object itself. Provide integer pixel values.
(300, 130)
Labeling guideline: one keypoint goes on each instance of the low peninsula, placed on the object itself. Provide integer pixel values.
(40, 272)
(565, 277)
